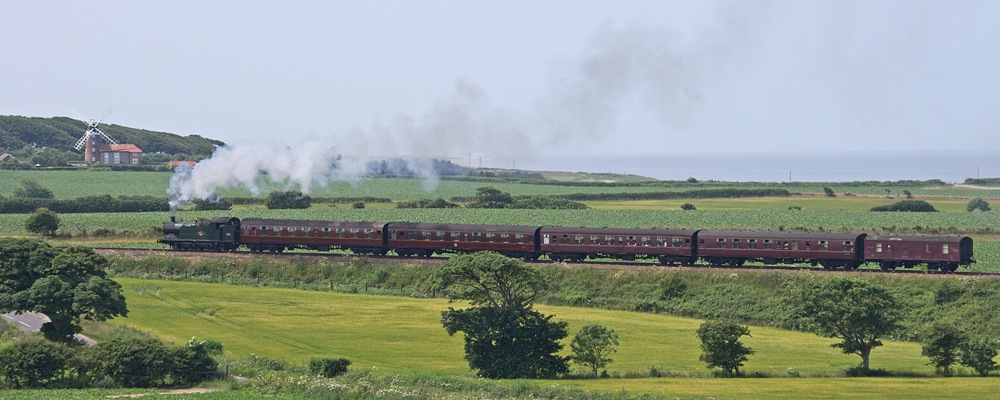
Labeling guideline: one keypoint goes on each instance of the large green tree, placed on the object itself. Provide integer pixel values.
(942, 345)
(43, 221)
(857, 312)
(489, 197)
(593, 345)
(721, 346)
(67, 285)
(504, 337)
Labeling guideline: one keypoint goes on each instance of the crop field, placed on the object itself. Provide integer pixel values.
(403, 335)
(73, 184)
(772, 204)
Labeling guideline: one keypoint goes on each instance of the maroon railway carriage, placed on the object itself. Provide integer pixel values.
(937, 252)
(737, 247)
(426, 239)
(276, 235)
(669, 246)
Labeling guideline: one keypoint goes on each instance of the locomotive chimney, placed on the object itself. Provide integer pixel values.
(173, 219)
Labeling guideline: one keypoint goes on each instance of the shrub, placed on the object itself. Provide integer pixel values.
(688, 206)
(133, 359)
(977, 204)
(358, 205)
(33, 362)
(328, 367)
(292, 199)
(42, 221)
(908, 206)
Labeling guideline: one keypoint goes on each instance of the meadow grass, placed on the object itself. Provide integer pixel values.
(396, 335)
(772, 203)
(404, 335)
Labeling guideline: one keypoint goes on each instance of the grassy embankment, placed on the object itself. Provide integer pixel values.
(403, 336)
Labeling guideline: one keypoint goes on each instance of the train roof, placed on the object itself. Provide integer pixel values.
(617, 231)
(927, 239)
(311, 223)
(781, 235)
(431, 226)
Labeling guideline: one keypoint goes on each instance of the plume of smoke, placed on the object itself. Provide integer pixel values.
(305, 166)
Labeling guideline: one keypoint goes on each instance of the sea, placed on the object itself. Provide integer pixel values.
(951, 166)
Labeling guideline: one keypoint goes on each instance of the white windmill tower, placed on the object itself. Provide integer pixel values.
(93, 138)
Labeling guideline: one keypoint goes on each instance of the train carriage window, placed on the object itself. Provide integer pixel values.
(595, 240)
(491, 237)
(676, 242)
(475, 236)
(519, 237)
(340, 232)
(795, 245)
(369, 233)
(355, 233)
(631, 240)
(822, 246)
(768, 244)
(439, 235)
(504, 238)
(944, 248)
(808, 245)
(720, 243)
(661, 241)
(927, 248)
(425, 235)
(848, 245)
(645, 241)
(609, 240)
(579, 239)
(752, 243)
(326, 231)
(888, 247)
(878, 247)
(737, 244)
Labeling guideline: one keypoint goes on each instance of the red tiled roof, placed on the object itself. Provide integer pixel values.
(127, 148)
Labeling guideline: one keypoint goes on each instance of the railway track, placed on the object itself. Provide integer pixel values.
(341, 257)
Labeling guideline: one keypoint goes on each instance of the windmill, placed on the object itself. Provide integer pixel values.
(90, 138)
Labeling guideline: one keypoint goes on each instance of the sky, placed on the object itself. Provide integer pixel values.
(459, 79)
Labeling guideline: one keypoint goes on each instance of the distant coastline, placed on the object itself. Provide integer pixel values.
(949, 166)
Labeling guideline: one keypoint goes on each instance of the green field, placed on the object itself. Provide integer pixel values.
(404, 336)
(73, 184)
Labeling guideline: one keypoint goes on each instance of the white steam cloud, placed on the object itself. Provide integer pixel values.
(632, 63)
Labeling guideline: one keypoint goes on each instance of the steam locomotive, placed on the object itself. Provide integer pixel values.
(667, 246)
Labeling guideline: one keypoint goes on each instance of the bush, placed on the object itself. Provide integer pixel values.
(133, 359)
(688, 206)
(427, 203)
(977, 204)
(292, 199)
(907, 206)
(358, 205)
(328, 367)
(34, 362)
(43, 222)
(214, 203)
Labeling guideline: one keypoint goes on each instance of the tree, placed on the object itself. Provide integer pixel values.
(592, 346)
(688, 207)
(192, 363)
(978, 354)
(907, 194)
(43, 221)
(977, 204)
(855, 311)
(66, 285)
(33, 362)
(721, 347)
(509, 342)
(504, 337)
(942, 345)
(213, 203)
(31, 189)
(488, 197)
(490, 279)
(287, 200)
(829, 192)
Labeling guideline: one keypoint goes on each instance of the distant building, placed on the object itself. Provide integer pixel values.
(7, 157)
(175, 164)
(107, 153)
